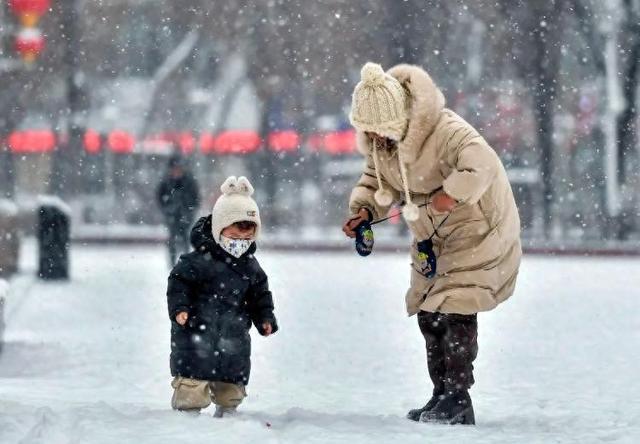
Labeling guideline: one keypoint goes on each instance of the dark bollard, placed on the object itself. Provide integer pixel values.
(9, 238)
(53, 239)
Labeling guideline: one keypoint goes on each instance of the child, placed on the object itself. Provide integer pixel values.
(214, 294)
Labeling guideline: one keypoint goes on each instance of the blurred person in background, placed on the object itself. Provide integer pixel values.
(178, 196)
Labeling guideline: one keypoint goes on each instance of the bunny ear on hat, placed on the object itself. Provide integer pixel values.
(229, 186)
(245, 186)
(237, 185)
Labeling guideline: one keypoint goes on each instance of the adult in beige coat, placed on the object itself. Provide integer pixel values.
(455, 192)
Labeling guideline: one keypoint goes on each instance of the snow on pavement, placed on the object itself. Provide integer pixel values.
(87, 361)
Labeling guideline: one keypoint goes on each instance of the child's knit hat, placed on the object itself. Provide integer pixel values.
(234, 205)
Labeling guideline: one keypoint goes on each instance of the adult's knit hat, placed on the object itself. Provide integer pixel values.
(234, 205)
(379, 103)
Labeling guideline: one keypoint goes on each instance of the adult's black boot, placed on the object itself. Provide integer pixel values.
(415, 414)
(454, 408)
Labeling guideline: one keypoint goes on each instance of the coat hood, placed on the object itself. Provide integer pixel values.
(426, 103)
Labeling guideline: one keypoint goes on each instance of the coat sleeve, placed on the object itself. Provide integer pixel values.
(260, 303)
(475, 165)
(180, 289)
(362, 195)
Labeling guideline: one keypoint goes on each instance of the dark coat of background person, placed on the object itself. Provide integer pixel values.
(223, 296)
(179, 198)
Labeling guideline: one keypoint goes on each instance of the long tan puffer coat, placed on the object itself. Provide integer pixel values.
(478, 247)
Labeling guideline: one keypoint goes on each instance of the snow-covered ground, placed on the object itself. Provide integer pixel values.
(87, 361)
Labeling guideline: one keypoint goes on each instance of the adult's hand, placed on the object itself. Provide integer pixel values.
(351, 223)
(442, 202)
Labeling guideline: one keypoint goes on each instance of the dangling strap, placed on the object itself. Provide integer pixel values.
(435, 229)
(405, 180)
(376, 164)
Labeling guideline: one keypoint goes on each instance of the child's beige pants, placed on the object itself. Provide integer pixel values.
(194, 394)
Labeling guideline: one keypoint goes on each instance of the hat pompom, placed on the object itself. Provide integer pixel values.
(411, 212)
(237, 185)
(372, 74)
(383, 197)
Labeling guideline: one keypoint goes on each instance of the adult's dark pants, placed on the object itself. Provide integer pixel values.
(452, 346)
(178, 241)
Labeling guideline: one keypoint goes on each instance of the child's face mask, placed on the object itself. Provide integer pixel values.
(235, 247)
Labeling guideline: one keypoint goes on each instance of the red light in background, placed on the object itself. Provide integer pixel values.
(121, 142)
(32, 141)
(92, 142)
(237, 142)
(284, 141)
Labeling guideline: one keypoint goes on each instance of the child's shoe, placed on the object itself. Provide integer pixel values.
(224, 411)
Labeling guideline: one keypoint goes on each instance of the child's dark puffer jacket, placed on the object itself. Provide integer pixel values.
(223, 296)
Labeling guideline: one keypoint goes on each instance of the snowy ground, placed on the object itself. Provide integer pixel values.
(87, 361)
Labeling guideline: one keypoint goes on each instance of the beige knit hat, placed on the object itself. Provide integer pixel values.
(234, 205)
(379, 103)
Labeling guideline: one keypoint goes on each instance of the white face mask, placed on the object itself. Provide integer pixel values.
(235, 247)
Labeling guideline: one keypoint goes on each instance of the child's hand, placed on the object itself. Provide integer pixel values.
(181, 318)
(267, 328)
